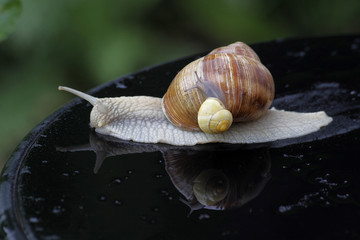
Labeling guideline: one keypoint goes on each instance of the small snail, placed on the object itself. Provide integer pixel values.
(228, 85)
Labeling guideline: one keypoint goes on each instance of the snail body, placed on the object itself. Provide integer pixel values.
(228, 85)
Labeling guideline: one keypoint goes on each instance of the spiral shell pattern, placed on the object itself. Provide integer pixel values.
(246, 83)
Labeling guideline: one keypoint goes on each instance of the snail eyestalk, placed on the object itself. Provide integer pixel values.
(92, 100)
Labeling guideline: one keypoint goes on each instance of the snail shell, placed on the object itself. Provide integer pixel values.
(234, 75)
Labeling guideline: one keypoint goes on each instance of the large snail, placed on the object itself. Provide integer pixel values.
(206, 96)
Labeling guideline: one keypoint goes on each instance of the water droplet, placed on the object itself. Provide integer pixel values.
(34, 220)
(203, 216)
(76, 172)
(65, 174)
(117, 202)
(44, 161)
(25, 170)
(102, 198)
(300, 156)
(130, 171)
(143, 217)
(156, 209)
(116, 181)
(284, 209)
(343, 196)
(158, 176)
(120, 85)
(164, 192)
(57, 210)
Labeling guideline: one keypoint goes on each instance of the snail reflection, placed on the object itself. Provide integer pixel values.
(208, 176)
(218, 179)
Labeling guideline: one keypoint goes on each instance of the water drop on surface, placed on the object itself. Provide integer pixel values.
(116, 181)
(102, 198)
(57, 210)
(343, 196)
(34, 220)
(164, 192)
(120, 85)
(284, 209)
(159, 176)
(203, 216)
(117, 203)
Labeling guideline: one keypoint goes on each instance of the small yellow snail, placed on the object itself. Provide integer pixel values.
(229, 84)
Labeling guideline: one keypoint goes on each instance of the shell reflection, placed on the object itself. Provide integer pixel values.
(211, 187)
(218, 179)
(208, 176)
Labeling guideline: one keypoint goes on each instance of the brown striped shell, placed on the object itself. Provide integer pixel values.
(233, 74)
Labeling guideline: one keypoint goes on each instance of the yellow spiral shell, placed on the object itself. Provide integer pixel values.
(213, 117)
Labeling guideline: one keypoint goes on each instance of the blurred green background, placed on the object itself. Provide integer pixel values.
(84, 43)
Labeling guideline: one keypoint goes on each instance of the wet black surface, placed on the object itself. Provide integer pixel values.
(66, 182)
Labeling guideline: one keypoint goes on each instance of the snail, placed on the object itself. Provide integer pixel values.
(228, 85)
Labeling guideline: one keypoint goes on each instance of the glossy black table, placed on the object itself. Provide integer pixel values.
(66, 182)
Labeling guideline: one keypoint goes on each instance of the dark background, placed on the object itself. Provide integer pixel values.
(84, 43)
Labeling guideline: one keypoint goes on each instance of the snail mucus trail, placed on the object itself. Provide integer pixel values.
(222, 97)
